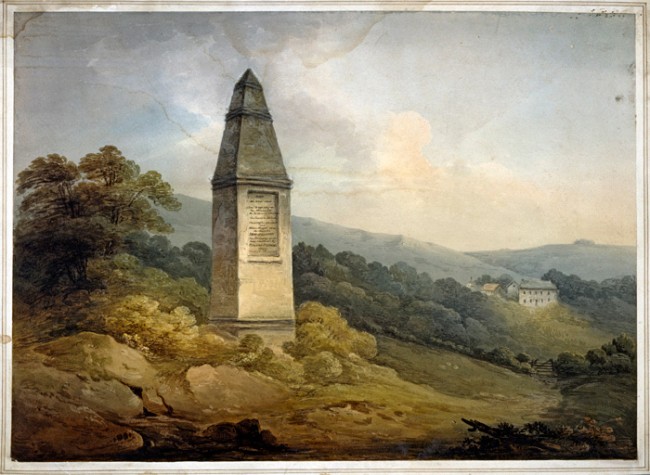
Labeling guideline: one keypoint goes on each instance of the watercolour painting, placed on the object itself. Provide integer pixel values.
(324, 237)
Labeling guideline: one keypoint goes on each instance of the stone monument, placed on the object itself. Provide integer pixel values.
(252, 287)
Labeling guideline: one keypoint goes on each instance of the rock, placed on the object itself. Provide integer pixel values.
(111, 399)
(248, 433)
(223, 432)
(268, 439)
(46, 428)
(108, 398)
(232, 390)
(245, 433)
(153, 403)
(99, 357)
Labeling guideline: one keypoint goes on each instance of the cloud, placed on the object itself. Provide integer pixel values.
(313, 38)
(464, 129)
(463, 206)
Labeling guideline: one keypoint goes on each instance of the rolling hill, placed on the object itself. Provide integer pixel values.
(192, 224)
(439, 262)
(587, 260)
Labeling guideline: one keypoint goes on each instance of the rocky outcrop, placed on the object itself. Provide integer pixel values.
(226, 387)
(88, 397)
(57, 416)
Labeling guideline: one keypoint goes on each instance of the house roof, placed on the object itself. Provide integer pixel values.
(491, 287)
(537, 285)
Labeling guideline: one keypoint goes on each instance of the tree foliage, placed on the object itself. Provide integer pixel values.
(72, 213)
(396, 300)
(611, 304)
(194, 259)
(616, 357)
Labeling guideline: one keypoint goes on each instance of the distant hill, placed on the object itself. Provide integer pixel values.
(587, 260)
(192, 224)
(437, 261)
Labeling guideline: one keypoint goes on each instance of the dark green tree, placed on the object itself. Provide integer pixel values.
(72, 213)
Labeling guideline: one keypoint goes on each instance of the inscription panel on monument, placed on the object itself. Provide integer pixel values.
(262, 214)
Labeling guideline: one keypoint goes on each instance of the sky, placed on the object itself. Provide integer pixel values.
(471, 130)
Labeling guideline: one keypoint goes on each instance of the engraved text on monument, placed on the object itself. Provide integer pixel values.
(262, 213)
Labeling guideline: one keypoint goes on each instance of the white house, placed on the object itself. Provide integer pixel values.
(537, 293)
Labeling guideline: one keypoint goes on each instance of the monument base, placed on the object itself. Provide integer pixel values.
(273, 332)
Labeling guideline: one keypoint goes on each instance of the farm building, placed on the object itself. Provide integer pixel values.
(537, 293)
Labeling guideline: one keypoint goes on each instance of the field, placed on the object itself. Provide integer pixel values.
(548, 331)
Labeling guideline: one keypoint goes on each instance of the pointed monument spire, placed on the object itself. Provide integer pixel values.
(248, 98)
(249, 147)
(252, 284)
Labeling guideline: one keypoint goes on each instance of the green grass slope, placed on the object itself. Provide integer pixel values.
(546, 332)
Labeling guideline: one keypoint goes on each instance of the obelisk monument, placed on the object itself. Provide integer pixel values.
(252, 284)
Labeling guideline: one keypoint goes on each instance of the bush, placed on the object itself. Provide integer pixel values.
(503, 356)
(570, 364)
(619, 356)
(322, 367)
(138, 321)
(320, 328)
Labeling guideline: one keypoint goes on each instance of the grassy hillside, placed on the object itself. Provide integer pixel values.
(462, 376)
(546, 332)
(589, 261)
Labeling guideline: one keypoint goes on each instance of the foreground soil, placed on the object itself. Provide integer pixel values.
(88, 397)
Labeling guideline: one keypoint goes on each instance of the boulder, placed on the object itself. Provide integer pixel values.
(49, 427)
(232, 390)
(99, 357)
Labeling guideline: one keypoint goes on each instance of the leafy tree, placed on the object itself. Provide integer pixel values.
(192, 260)
(304, 261)
(53, 237)
(569, 364)
(116, 190)
(72, 213)
(485, 279)
(625, 344)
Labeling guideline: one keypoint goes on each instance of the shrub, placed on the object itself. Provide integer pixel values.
(138, 321)
(322, 367)
(503, 356)
(570, 364)
(320, 328)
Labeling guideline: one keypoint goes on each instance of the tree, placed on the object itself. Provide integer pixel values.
(72, 213)
(569, 364)
(53, 237)
(117, 191)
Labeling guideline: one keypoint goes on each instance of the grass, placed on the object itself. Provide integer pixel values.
(548, 331)
(608, 399)
(411, 394)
